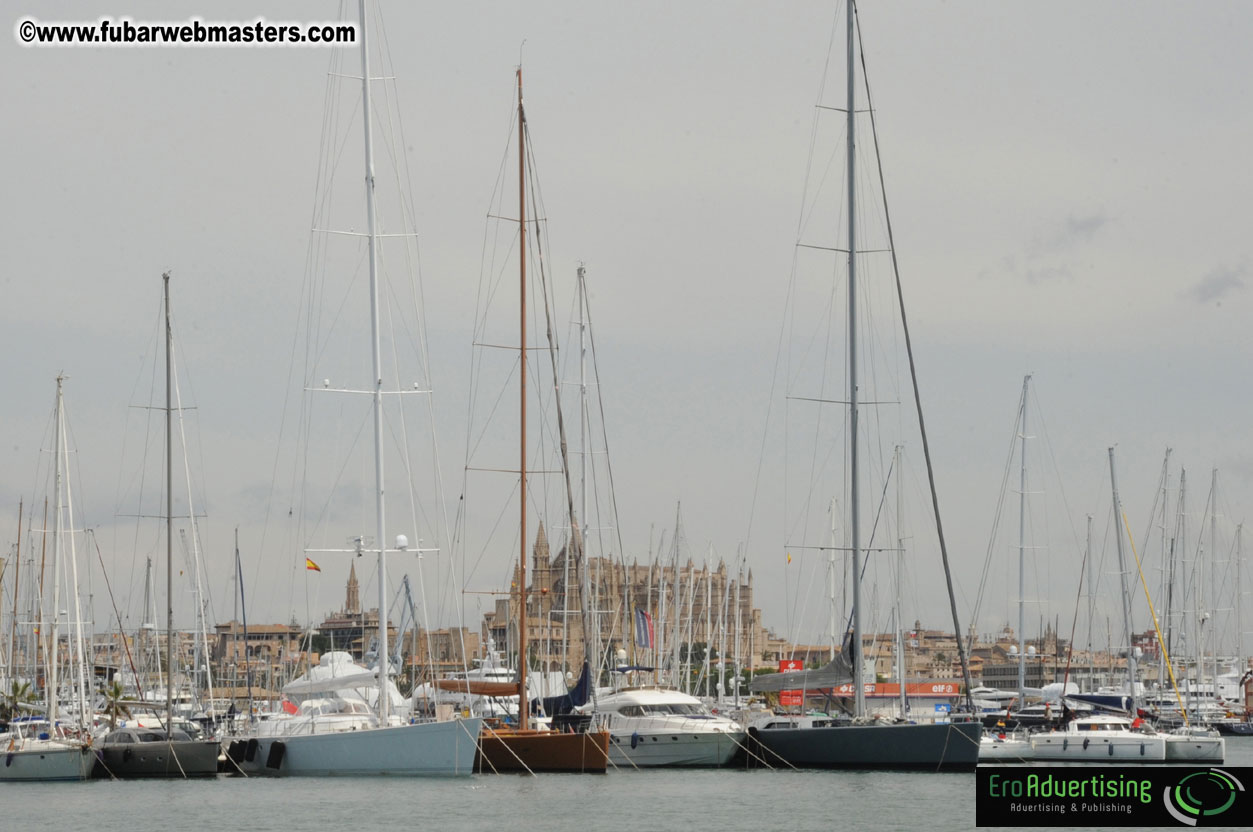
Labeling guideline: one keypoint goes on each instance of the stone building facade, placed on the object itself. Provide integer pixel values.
(712, 604)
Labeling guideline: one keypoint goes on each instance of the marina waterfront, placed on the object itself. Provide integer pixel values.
(726, 800)
(384, 715)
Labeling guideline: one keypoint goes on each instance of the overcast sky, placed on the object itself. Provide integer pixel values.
(1069, 187)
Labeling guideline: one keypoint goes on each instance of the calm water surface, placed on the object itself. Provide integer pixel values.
(716, 800)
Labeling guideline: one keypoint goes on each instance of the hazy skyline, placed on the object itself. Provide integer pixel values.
(1068, 190)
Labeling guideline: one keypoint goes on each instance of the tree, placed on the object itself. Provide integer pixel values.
(17, 693)
(320, 643)
(113, 704)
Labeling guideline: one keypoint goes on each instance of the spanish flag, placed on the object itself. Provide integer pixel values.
(789, 558)
(309, 564)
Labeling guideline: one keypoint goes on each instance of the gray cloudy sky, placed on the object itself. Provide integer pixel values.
(1069, 185)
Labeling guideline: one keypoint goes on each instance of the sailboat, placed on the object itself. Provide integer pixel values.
(1122, 737)
(381, 743)
(132, 751)
(857, 742)
(1100, 737)
(523, 748)
(1005, 739)
(44, 748)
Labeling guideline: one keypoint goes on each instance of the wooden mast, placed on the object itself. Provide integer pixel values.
(523, 704)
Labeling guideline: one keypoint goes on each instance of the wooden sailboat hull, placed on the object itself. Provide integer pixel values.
(950, 746)
(510, 750)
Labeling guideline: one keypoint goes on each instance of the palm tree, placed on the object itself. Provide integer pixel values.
(18, 693)
(113, 703)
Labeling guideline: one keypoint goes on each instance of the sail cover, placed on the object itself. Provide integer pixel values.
(567, 702)
(838, 671)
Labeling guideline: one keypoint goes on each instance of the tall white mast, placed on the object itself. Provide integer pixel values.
(1087, 557)
(676, 633)
(1163, 592)
(376, 355)
(1123, 578)
(660, 646)
(1239, 603)
(1185, 636)
(899, 635)
(77, 653)
(739, 575)
(1022, 542)
(53, 657)
(1212, 612)
(708, 622)
(689, 632)
(169, 520)
(722, 631)
(583, 440)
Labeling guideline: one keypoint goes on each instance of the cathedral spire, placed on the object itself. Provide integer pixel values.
(352, 604)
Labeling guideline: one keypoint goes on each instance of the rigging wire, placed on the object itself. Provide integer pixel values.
(926, 447)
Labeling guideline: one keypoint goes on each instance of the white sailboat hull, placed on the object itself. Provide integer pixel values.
(1012, 749)
(1195, 748)
(1099, 747)
(646, 750)
(41, 760)
(433, 749)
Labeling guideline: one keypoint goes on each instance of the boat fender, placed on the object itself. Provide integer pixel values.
(1111, 748)
(250, 752)
(275, 758)
(8, 759)
(635, 739)
(1065, 744)
(1086, 740)
(126, 755)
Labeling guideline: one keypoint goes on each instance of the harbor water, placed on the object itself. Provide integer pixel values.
(726, 800)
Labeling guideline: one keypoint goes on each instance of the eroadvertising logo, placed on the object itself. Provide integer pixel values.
(1113, 796)
(1203, 795)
